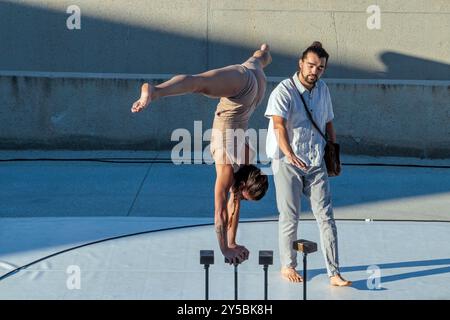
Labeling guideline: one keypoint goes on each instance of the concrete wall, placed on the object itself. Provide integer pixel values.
(390, 87)
(77, 112)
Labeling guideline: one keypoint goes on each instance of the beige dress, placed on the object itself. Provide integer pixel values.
(228, 138)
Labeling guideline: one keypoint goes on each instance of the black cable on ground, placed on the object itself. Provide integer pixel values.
(170, 161)
(104, 160)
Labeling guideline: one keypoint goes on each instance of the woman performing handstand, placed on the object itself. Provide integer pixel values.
(241, 88)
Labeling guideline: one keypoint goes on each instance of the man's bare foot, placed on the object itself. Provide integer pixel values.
(147, 92)
(291, 274)
(338, 281)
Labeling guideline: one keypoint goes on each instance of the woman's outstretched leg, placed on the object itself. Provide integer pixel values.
(223, 82)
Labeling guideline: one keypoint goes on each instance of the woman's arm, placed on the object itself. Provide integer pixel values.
(224, 181)
(234, 205)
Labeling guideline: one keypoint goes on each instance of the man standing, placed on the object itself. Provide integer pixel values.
(297, 150)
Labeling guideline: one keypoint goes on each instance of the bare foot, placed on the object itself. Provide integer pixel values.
(147, 91)
(291, 274)
(265, 47)
(338, 281)
(263, 55)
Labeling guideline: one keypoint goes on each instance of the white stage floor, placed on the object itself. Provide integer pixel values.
(51, 206)
(413, 260)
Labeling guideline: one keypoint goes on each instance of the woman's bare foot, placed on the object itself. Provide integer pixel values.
(265, 47)
(147, 92)
(338, 281)
(263, 55)
(291, 274)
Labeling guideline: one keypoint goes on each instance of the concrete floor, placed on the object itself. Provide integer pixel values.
(51, 206)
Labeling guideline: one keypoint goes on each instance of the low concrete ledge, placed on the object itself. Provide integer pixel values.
(82, 111)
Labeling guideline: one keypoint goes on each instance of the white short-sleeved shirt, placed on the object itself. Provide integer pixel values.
(307, 144)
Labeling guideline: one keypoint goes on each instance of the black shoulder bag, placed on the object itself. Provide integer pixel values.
(331, 157)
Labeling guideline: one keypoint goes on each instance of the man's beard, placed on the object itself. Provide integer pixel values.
(311, 79)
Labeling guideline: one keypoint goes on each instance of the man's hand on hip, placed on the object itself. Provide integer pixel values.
(295, 161)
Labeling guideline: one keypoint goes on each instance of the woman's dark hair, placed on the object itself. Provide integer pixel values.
(250, 178)
(316, 47)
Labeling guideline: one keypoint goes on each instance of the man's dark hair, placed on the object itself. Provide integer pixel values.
(316, 47)
(254, 182)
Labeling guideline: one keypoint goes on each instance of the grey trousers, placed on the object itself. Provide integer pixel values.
(290, 183)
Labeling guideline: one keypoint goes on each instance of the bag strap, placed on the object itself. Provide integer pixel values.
(307, 111)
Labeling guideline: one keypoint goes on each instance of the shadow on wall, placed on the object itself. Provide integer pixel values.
(413, 68)
(38, 40)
